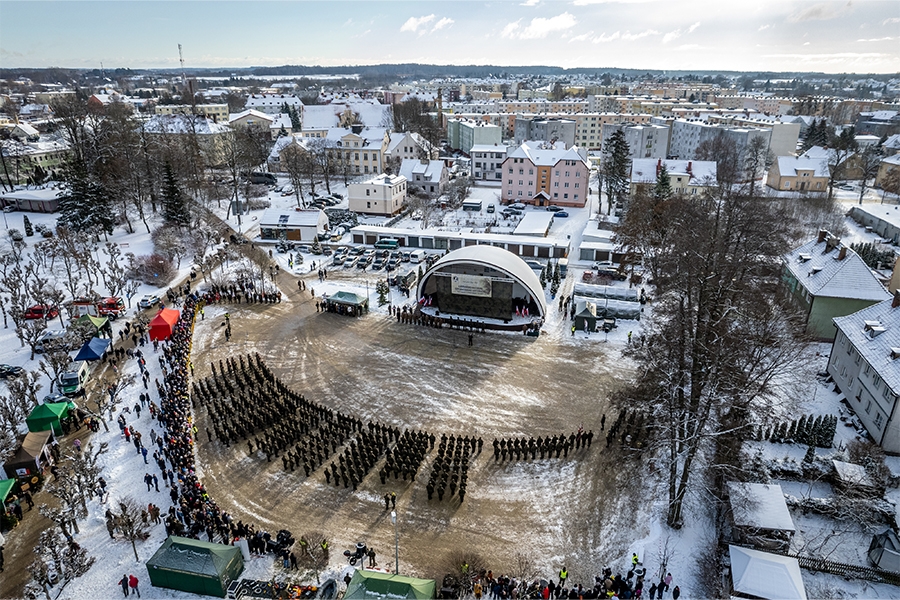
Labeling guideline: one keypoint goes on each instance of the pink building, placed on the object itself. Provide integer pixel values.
(542, 174)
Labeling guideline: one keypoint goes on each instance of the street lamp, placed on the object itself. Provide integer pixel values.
(396, 543)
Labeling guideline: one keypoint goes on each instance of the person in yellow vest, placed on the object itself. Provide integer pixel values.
(325, 549)
(563, 575)
(634, 559)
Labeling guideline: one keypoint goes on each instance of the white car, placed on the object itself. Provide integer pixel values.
(149, 301)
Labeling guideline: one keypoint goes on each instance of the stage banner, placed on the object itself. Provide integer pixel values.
(471, 285)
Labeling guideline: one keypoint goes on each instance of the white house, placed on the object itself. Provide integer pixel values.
(294, 225)
(273, 103)
(863, 364)
(431, 176)
(688, 177)
(381, 195)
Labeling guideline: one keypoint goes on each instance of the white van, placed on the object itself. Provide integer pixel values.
(71, 383)
(417, 256)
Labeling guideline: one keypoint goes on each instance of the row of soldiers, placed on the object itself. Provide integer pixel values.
(450, 469)
(629, 429)
(311, 452)
(359, 457)
(531, 447)
(407, 455)
(243, 289)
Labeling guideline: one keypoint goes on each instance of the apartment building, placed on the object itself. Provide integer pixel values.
(487, 162)
(542, 174)
(545, 130)
(217, 112)
(273, 104)
(688, 135)
(464, 134)
(381, 195)
(644, 141)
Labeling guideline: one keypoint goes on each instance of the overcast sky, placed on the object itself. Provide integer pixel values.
(858, 36)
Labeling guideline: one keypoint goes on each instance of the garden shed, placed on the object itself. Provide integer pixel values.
(190, 565)
(760, 515)
(375, 585)
(163, 324)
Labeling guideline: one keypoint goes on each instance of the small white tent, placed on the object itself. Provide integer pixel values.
(764, 575)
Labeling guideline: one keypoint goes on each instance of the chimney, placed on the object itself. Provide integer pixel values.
(689, 169)
(896, 302)
(822, 235)
(843, 253)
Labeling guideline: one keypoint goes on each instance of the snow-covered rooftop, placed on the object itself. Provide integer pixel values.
(699, 172)
(817, 267)
(765, 575)
(877, 350)
(760, 506)
(418, 171)
(789, 165)
(534, 223)
(279, 217)
(546, 155)
(176, 124)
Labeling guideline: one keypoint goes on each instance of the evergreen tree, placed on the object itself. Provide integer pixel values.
(29, 230)
(174, 201)
(419, 274)
(544, 278)
(382, 289)
(86, 205)
(616, 167)
(294, 114)
(316, 246)
(792, 431)
(554, 282)
(802, 437)
(663, 188)
(810, 455)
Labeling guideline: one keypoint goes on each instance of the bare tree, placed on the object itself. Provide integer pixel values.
(55, 361)
(312, 555)
(115, 273)
(293, 162)
(133, 527)
(113, 395)
(57, 560)
(868, 162)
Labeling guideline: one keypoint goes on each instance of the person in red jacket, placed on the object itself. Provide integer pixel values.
(133, 584)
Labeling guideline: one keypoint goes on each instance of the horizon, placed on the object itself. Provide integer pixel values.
(860, 37)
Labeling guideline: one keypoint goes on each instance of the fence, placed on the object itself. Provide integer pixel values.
(845, 570)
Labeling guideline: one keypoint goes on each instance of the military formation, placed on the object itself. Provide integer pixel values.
(450, 470)
(407, 456)
(532, 448)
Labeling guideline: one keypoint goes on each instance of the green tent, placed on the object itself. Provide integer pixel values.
(97, 322)
(48, 416)
(193, 566)
(372, 585)
(6, 486)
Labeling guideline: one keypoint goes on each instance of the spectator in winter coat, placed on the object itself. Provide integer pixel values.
(133, 584)
(124, 583)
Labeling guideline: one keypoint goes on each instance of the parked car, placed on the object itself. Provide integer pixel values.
(358, 250)
(553, 208)
(338, 260)
(378, 264)
(491, 208)
(517, 205)
(392, 264)
(351, 262)
(405, 256)
(304, 248)
(612, 274)
(561, 214)
(7, 371)
(53, 398)
(511, 212)
(41, 311)
(363, 263)
(48, 339)
(602, 264)
(148, 301)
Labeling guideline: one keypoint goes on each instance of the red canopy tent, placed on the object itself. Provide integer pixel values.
(163, 324)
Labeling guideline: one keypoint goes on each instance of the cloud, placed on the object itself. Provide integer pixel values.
(530, 3)
(891, 20)
(883, 39)
(603, 38)
(672, 35)
(822, 11)
(445, 22)
(693, 27)
(764, 27)
(539, 27)
(829, 57)
(413, 23)
(636, 36)
(581, 38)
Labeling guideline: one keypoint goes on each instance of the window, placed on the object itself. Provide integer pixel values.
(577, 184)
(521, 171)
(576, 196)
(510, 170)
(530, 183)
(556, 194)
(356, 157)
(557, 174)
(567, 173)
(368, 192)
(368, 205)
(869, 407)
(520, 182)
(879, 419)
(555, 184)
(531, 171)
(509, 192)
(566, 196)
(520, 192)
(510, 182)
(566, 184)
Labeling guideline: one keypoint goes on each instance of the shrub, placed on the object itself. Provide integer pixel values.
(153, 269)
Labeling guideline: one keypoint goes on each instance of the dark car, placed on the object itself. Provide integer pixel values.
(612, 274)
(561, 214)
(378, 264)
(7, 371)
(553, 208)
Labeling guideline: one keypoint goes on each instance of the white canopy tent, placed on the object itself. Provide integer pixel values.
(763, 575)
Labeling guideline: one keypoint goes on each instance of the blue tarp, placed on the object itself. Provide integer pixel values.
(93, 349)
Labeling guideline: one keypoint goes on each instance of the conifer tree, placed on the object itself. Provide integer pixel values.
(663, 188)
(174, 201)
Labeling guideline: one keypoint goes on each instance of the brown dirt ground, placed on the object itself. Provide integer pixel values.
(573, 511)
